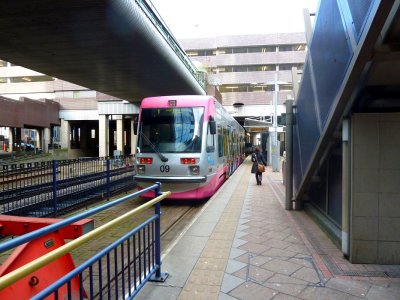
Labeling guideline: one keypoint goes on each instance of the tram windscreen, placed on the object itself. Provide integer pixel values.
(171, 130)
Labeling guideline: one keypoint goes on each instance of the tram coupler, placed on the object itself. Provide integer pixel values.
(38, 280)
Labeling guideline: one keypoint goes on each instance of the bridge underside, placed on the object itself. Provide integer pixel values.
(108, 46)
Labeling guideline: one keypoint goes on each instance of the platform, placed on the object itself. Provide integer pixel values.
(245, 245)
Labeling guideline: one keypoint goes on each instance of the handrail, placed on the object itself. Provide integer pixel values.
(46, 292)
(36, 264)
(153, 15)
(53, 227)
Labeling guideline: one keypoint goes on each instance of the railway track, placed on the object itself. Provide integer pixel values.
(174, 230)
(37, 200)
(174, 220)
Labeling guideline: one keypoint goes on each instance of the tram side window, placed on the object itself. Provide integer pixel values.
(220, 141)
(210, 146)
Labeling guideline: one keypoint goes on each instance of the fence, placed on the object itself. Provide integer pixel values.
(45, 188)
(118, 271)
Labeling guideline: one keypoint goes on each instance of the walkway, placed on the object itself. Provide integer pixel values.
(244, 245)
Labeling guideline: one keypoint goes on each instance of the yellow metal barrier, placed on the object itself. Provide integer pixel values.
(36, 264)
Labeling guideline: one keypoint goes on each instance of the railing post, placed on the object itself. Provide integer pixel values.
(108, 179)
(158, 276)
(54, 188)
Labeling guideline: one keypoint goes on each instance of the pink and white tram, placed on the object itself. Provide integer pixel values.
(190, 144)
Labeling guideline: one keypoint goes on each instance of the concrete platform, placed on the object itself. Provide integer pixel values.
(245, 245)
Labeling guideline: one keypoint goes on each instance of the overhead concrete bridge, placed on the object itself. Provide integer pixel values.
(120, 48)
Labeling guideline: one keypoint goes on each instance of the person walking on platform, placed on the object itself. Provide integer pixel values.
(259, 164)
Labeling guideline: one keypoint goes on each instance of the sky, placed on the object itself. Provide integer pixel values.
(211, 18)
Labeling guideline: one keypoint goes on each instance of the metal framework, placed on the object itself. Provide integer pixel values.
(118, 271)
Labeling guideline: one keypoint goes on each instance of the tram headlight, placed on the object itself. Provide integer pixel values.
(194, 170)
(141, 169)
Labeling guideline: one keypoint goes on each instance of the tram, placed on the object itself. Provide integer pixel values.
(190, 144)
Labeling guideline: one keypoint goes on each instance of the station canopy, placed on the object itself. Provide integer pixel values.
(257, 124)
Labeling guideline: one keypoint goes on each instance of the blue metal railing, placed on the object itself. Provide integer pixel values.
(118, 271)
(45, 188)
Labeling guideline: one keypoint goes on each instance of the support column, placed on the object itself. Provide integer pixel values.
(345, 188)
(18, 138)
(289, 155)
(275, 143)
(103, 136)
(120, 134)
(46, 140)
(65, 134)
(133, 137)
(39, 139)
(11, 139)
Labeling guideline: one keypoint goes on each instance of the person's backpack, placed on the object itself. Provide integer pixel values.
(253, 157)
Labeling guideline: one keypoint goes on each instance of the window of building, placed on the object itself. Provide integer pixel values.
(249, 68)
(229, 88)
(260, 49)
(243, 88)
(259, 68)
(301, 47)
(286, 87)
(239, 69)
(192, 53)
(286, 67)
(299, 66)
(222, 69)
(222, 51)
(206, 52)
(296, 47)
(239, 50)
(31, 79)
(261, 88)
(202, 52)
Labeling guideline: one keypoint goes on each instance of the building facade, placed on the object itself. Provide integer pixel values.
(80, 112)
(249, 71)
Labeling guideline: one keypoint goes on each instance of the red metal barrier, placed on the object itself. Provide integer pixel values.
(40, 279)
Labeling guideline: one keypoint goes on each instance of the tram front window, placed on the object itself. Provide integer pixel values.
(171, 130)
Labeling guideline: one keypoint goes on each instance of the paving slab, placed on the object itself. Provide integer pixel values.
(245, 245)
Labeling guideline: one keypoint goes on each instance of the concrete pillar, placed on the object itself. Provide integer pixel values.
(120, 134)
(133, 137)
(39, 137)
(46, 139)
(65, 134)
(18, 138)
(103, 136)
(11, 139)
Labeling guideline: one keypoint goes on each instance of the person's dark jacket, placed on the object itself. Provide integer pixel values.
(257, 158)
